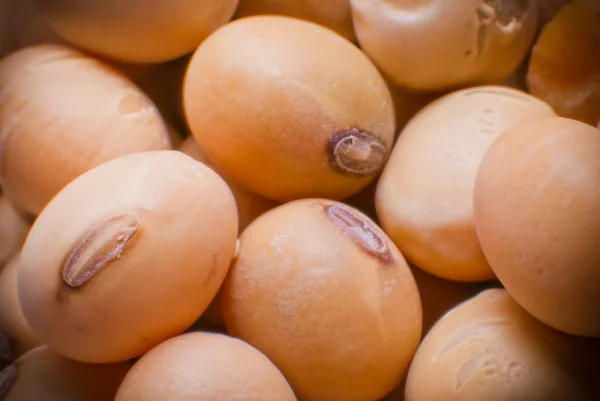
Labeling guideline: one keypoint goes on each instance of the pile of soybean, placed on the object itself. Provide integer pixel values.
(262, 200)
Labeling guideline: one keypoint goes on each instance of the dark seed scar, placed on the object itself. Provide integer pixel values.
(361, 232)
(356, 152)
(98, 247)
(8, 377)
